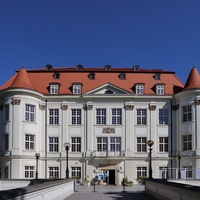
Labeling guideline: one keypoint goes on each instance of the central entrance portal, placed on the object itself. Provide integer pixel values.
(109, 177)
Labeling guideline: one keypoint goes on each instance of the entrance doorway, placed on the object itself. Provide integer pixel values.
(109, 177)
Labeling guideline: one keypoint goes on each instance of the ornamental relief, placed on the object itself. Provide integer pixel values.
(152, 108)
(42, 107)
(198, 102)
(108, 130)
(15, 101)
(128, 107)
(87, 107)
(64, 107)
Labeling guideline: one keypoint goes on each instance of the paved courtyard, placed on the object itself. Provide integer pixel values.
(109, 192)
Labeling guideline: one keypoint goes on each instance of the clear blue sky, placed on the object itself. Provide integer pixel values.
(154, 34)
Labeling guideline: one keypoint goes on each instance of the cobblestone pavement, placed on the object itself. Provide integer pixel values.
(109, 192)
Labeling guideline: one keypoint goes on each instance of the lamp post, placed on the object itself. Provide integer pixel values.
(179, 166)
(150, 144)
(37, 156)
(67, 146)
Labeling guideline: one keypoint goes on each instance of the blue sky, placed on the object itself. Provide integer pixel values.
(154, 34)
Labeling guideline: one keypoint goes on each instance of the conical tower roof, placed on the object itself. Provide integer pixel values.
(22, 80)
(193, 80)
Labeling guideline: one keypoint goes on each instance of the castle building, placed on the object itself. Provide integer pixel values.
(107, 115)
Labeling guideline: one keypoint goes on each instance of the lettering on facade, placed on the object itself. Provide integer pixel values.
(15, 101)
(64, 107)
(87, 107)
(41, 107)
(152, 107)
(128, 107)
(108, 130)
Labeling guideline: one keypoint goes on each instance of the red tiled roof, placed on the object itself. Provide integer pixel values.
(40, 79)
(193, 80)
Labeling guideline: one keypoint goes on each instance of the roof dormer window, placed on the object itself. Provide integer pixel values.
(91, 76)
(157, 76)
(56, 75)
(160, 89)
(54, 88)
(139, 89)
(122, 76)
(79, 67)
(107, 67)
(77, 88)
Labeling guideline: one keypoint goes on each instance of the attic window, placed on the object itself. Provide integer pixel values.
(139, 89)
(54, 88)
(56, 75)
(160, 89)
(49, 67)
(91, 76)
(136, 67)
(157, 76)
(79, 67)
(108, 92)
(122, 76)
(77, 88)
(107, 67)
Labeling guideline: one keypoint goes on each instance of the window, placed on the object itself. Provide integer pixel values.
(6, 142)
(76, 116)
(53, 116)
(115, 144)
(54, 89)
(6, 172)
(141, 172)
(163, 116)
(53, 144)
(141, 144)
(102, 144)
(101, 116)
(29, 172)
(163, 144)
(116, 116)
(29, 142)
(76, 144)
(187, 113)
(160, 89)
(187, 142)
(56, 75)
(141, 116)
(163, 172)
(6, 112)
(29, 113)
(108, 92)
(122, 76)
(91, 76)
(53, 172)
(188, 171)
(157, 76)
(77, 88)
(76, 172)
(139, 89)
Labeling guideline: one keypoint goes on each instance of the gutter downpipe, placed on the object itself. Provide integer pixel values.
(45, 139)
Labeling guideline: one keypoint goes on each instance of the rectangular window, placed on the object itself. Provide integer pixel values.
(141, 172)
(29, 113)
(29, 142)
(53, 144)
(139, 89)
(163, 144)
(6, 112)
(187, 142)
(76, 144)
(115, 144)
(160, 89)
(101, 116)
(76, 116)
(54, 116)
(54, 89)
(163, 116)
(53, 172)
(6, 142)
(76, 89)
(188, 171)
(102, 144)
(116, 116)
(29, 172)
(6, 172)
(141, 116)
(141, 144)
(163, 172)
(187, 113)
(76, 172)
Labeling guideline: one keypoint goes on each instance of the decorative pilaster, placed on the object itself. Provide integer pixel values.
(64, 107)
(15, 101)
(128, 107)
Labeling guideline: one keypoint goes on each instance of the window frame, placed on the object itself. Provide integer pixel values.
(187, 113)
(29, 171)
(29, 142)
(53, 172)
(139, 89)
(53, 144)
(163, 144)
(53, 116)
(76, 116)
(160, 89)
(142, 116)
(76, 172)
(76, 144)
(141, 172)
(163, 116)
(54, 88)
(116, 116)
(187, 142)
(77, 88)
(115, 144)
(141, 144)
(101, 116)
(102, 144)
(30, 112)
(7, 112)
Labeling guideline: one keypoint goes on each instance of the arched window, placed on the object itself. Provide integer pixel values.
(108, 92)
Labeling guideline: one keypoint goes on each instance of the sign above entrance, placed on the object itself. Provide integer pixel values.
(108, 130)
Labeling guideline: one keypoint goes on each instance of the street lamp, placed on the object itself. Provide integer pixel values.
(179, 166)
(67, 146)
(37, 156)
(150, 144)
